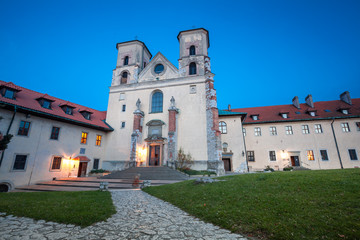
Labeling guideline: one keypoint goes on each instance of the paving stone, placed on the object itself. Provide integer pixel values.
(139, 216)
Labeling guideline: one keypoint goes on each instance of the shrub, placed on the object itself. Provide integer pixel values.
(268, 168)
(288, 168)
(99, 171)
(184, 161)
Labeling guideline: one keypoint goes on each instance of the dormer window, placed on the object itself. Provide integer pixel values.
(9, 90)
(255, 117)
(86, 114)
(45, 102)
(345, 111)
(67, 109)
(284, 114)
(9, 94)
(312, 114)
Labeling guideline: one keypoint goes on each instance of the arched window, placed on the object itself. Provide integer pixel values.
(222, 127)
(124, 77)
(192, 68)
(157, 102)
(192, 50)
(126, 60)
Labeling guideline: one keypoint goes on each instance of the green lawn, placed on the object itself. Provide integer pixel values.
(321, 204)
(79, 208)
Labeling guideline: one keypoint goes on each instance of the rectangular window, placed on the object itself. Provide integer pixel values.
(345, 127)
(46, 104)
(318, 128)
(324, 155)
(96, 163)
(83, 137)
(288, 130)
(244, 132)
(357, 126)
(123, 108)
(305, 129)
(98, 140)
(56, 163)
(273, 131)
(257, 131)
(20, 162)
(353, 155)
(82, 150)
(55, 133)
(24, 128)
(250, 156)
(122, 124)
(68, 110)
(272, 155)
(310, 155)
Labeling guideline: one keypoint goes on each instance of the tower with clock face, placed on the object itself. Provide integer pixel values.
(156, 108)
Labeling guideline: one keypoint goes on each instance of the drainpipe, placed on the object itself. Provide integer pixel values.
(337, 147)
(242, 133)
(7, 132)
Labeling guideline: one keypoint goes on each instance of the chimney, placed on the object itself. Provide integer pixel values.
(229, 107)
(345, 97)
(309, 101)
(295, 102)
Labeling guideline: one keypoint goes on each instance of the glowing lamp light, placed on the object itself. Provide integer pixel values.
(284, 154)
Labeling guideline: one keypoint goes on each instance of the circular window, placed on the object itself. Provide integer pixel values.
(159, 68)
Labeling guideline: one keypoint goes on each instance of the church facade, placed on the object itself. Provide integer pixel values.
(155, 109)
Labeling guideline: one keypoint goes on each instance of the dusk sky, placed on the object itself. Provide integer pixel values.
(262, 52)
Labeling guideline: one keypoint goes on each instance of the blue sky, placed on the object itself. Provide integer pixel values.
(262, 52)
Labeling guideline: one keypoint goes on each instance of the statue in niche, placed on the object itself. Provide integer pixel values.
(138, 102)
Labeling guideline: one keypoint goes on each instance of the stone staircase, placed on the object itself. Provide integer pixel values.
(148, 173)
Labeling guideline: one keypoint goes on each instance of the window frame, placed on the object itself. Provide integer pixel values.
(305, 129)
(21, 131)
(192, 50)
(289, 130)
(272, 156)
(98, 140)
(124, 80)
(257, 131)
(318, 128)
(223, 127)
(353, 150)
(122, 124)
(84, 137)
(52, 169)
(14, 161)
(345, 127)
(193, 68)
(52, 132)
(123, 108)
(156, 107)
(321, 155)
(250, 156)
(126, 61)
(7, 90)
(273, 131)
(310, 155)
(97, 163)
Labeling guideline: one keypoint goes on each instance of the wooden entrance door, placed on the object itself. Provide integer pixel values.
(227, 164)
(82, 169)
(154, 156)
(295, 161)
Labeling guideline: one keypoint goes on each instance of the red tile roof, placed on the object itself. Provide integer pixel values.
(273, 113)
(26, 101)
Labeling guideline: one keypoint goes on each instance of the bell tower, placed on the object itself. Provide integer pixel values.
(133, 56)
(194, 46)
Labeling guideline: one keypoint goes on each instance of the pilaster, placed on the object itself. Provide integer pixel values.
(172, 136)
(137, 133)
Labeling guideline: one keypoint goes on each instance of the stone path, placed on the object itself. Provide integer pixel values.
(139, 216)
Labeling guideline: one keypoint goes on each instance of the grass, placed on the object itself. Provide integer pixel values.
(78, 208)
(321, 204)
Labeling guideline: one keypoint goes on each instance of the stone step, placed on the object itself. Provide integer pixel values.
(148, 173)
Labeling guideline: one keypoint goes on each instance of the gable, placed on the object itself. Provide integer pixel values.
(159, 68)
